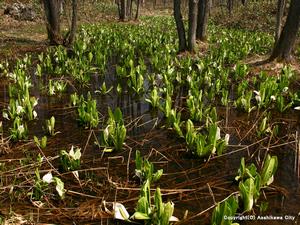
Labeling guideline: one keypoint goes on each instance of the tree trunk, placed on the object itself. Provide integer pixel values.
(128, 8)
(193, 9)
(279, 16)
(179, 26)
(119, 8)
(283, 48)
(122, 10)
(71, 37)
(154, 4)
(52, 11)
(209, 6)
(203, 13)
(137, 9)
(230, 6)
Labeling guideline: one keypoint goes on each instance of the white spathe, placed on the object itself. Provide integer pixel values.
(48, 178)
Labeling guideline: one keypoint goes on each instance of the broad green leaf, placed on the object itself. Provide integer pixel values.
(140, 216)
(269, 169)
(143, 205)
(157, 175)
(227, 208)
(118, 116)
(36, 140)
(44, 142)
(247, 191)
(59, 187)
(167, 213)
(158, 202)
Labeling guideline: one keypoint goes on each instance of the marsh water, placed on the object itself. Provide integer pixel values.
(192, 183)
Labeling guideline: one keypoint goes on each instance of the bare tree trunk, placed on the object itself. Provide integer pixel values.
(179, 26)
(283, 48)
(203, 13)
(137, 9)
(184, 6)
(279, 16)
(230, 6)
(69, 39)
(128, 8)
(119, 8)
(193, 9)
(52, 11)
(154, 4)
(209, 7)
(122, 10)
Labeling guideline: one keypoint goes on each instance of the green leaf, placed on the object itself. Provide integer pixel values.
(75, 155)
(227, 208)
(157, 175)
(118, 115)
(263, 206)
(59, 187)
(247, 191)
(119, 89)
(158, 202)
(167, 213)
(44, 142)
(241, 170)
(213, 136)
(36, 140)
(110, 113)
(214, 115)
(145, 192)
(140, 216)
(246, 172)
(143, 205)
(52, 121)
(138, 160)
(269, 169)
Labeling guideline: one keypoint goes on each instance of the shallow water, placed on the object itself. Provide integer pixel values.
(201, 183)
